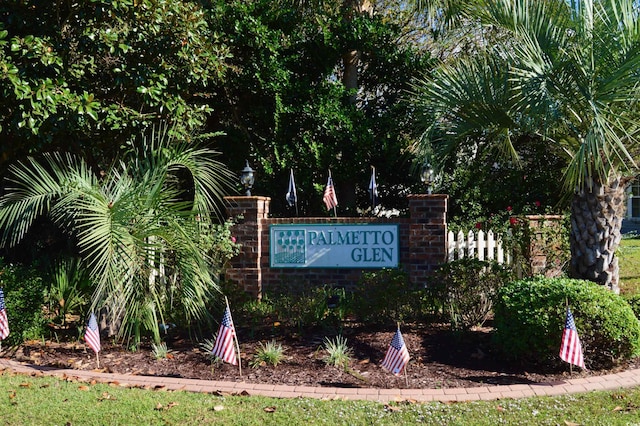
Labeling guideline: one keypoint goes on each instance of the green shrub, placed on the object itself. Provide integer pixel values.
(634, 302)
(530, 316)
(24, 298)
(467, 288)
(324, 307)
(69, 291)
(386, 297)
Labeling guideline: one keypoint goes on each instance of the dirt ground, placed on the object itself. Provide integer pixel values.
(439, 359)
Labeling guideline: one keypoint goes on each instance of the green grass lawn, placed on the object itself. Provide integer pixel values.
(629, 255)
(26, 400)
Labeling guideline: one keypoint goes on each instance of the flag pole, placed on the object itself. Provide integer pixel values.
(296, 195)
(335, 212)
(235, 338)
(98, 359)
(566, 303)
(406, 377)
(373, 189)
(291, 180)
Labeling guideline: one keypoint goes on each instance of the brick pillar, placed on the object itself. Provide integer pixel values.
(427, 234)
(249, 213)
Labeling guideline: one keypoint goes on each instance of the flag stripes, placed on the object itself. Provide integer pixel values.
(397, 355)
(329, 198)
(571, 348)
(4, 322)
(92, 334)
(223, 347)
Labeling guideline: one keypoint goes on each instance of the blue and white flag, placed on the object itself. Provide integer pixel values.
(292, 196)
(373, 188)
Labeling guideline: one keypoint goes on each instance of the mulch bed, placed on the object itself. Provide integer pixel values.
(439, 359)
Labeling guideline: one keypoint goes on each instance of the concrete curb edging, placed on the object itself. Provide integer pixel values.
(625, 379)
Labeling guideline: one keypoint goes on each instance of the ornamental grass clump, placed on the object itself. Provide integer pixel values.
(160, 350)
(338, 353)
(270, 353)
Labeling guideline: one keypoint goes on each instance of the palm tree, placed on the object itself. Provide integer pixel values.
(137, 226)
(565, 72)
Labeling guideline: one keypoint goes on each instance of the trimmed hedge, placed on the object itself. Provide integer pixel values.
(530, 316)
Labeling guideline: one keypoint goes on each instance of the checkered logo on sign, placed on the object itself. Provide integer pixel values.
(289, 247)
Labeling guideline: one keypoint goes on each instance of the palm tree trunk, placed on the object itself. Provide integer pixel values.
(596, 221)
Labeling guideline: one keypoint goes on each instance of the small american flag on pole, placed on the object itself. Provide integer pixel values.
(329, 198)
(571, 349)
(223, 347)
(92, 334)
(397, 355)
(4, 322)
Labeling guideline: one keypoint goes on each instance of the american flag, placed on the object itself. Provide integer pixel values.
(329, 197)
(397, 355)
(4, 322)
(92, 334)
(224, 342)
(571, 349)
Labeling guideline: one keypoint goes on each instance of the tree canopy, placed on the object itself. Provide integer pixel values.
(89, 76)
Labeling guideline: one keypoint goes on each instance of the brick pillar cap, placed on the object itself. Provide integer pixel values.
(238, 198)
(427, 196)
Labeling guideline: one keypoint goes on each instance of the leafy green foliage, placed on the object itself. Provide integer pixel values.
(88, 76)
(69, 291)
(287, 107)
(468, 288)
(530, 315)
(24, 292)
(481, 190)
(634, 302)
(325, 307)
(387, 296)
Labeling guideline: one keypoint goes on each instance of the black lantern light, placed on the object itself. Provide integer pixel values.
(247, 179)
(427, 176)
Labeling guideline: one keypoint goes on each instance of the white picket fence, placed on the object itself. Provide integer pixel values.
(480, 245)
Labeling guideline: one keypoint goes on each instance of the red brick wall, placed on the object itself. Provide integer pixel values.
(422, 244)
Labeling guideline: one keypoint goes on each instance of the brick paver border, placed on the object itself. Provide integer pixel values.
(626, 379)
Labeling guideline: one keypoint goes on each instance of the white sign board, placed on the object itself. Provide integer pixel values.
(358, 246)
